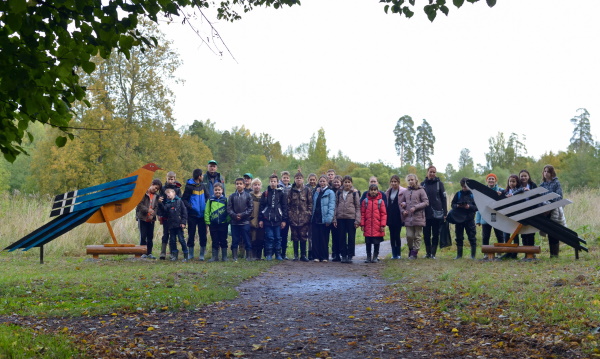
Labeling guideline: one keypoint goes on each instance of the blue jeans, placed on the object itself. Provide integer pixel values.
(272, 238)
(239, 233)
(176, 234)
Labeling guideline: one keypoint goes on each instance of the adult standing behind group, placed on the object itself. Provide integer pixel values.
(212, 177)
(435, 213)
(394, 217)
(551, 183)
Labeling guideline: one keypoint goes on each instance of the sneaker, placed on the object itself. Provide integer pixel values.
(163, 256)
(150, 256)
(316, 260)
(295, 259)
(278, 257)
(144, 256)
(303, 259)
(324, 261)
(268, 258)
(336, 259)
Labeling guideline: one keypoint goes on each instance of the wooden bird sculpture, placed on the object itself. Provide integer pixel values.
(96, 204)
(523, 214)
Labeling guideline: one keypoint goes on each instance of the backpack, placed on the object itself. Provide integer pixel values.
(366, 200)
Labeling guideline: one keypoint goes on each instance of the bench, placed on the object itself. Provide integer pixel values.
(97, 250)
(490, 251)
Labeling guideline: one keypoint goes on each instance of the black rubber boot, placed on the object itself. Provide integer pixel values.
(163, 251)
(234, 254)
(459, 252)
(223, 254)
(473, 251)
(215, 256)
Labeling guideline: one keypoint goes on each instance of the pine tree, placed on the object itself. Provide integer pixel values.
(405, 134)
(424, 144)
(582, 134)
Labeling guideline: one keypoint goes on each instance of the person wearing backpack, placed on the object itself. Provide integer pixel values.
(299, 207)
(373, 218)
(346, 219)
(463, 210)
(435, 213)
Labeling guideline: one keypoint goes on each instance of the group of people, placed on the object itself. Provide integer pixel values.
(326, 207)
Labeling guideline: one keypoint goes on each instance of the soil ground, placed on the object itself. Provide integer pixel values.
(299, 310)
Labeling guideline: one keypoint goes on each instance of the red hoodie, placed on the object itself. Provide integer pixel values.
(373, 216)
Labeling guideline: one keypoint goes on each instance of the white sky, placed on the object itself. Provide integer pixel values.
(345, 65)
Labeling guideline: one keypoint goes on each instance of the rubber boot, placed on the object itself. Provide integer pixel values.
(433, 252)
(368, 260)
(223, 254)
(303, 251)
(174, 255)
(163, 251)
(234, 254)
(554, 250)
(459, 252)
(376, 254)
(201, 255)
(242, 251)
(186, 255)
(215, 256)
(473, 251)
(249, 257)
(191, 253)
(296, 251)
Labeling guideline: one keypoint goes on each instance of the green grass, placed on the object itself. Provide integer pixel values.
(17, 342)
(76, 287)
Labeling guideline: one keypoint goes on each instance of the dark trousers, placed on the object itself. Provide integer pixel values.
(320, 241)
(395, 240)
(507, 237)
(469, 227)
(431, 234)
(218, 235)
(299, 233)
(257, 237)
(146, 235)
(486, 234)
(528, 239)
(333, 233)
(165, 236)
(240, 233)
(176, 234)
(346, 237)
(196, 223)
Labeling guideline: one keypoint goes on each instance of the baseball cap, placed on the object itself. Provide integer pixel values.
(212, 162)
(249, 175)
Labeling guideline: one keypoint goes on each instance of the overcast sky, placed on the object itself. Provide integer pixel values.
(345, 65)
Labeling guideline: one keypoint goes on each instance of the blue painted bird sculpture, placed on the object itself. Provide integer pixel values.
(96, 204)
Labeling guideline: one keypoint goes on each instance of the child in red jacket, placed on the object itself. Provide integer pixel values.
(373, 218)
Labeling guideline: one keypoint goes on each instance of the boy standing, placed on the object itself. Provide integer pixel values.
(273, 217)
(299, 213)
(176, 214)
(239, 208)
(248, 182)
(176, 186)
(464, 209)
(287, 186)
(194, 197)
(145, 213)
(217, 220)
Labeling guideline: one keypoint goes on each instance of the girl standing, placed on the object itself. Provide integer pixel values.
(394, 217)
(413, 203)
(322, 216)
(486, 229)
(373, 218)
(346, 219)
(527, 184)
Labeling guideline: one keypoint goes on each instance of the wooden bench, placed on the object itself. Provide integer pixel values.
(490, 251)
(97, 250)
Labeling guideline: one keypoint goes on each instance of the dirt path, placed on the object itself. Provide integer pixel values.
(296, 309)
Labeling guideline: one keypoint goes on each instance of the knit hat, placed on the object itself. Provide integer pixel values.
(492, 175)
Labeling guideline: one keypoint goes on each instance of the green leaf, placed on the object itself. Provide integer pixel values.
(458, 3)
(386, 8)
(491, 3)
(61, 141)
(444, 9)
(88, 67)
(17, 6)
(407, 12)
(431, 12)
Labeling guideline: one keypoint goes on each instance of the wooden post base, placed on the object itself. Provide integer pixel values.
(97, 250)
(530, 251)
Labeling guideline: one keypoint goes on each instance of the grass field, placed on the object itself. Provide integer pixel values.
(557, 300)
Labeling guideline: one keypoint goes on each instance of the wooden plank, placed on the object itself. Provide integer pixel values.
(99, 187)
(101, 249)
(75, 204)
(518, 249)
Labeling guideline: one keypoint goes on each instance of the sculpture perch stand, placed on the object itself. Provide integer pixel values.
(114, 247)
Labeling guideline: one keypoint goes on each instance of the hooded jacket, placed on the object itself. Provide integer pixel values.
(273, 207)
(414, 198)
(300, 206)
(327, 206)
(373, 216)
(147, 203)
(175, 212)
(216, 211)
(348, 208)
(194, 198)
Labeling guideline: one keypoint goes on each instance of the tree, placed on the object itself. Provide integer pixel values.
(405, 143)
(424, 144)
(582, 134)
(404, 8)
(44, 43)
(465, 161)
(506, 153)
(317, 148)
